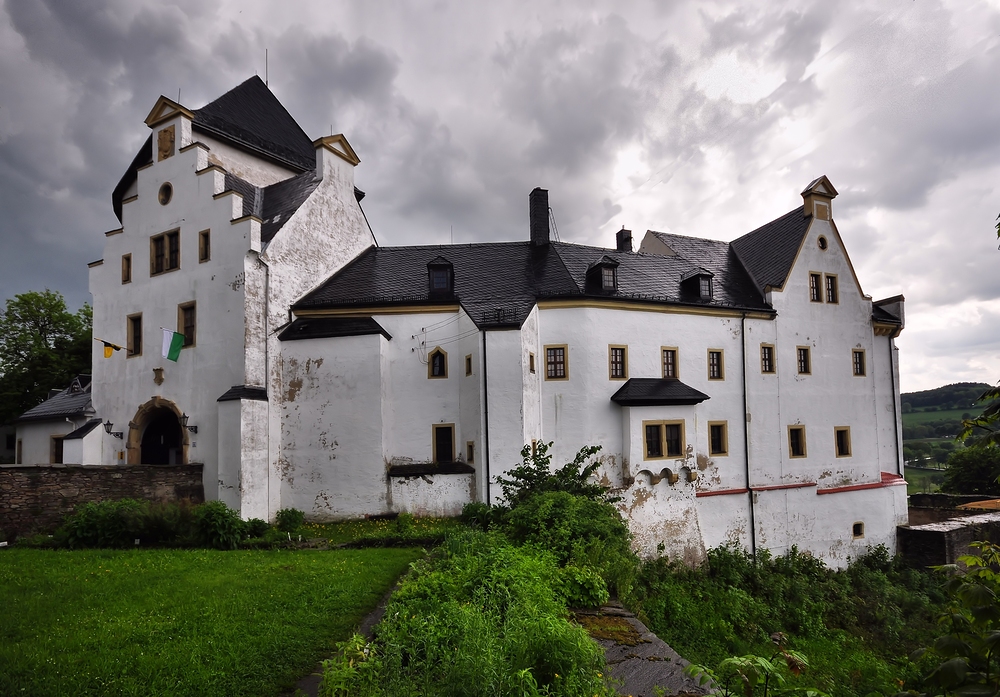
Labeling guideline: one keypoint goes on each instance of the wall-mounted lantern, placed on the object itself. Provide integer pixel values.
(184, 424)
(107, 429)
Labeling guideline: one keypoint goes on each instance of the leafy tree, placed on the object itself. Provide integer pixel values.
(42, 346)
(985, 428)
(534, 475)
(973, 471)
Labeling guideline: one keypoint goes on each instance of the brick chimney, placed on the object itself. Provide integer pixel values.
(623, 238)
(538, 216)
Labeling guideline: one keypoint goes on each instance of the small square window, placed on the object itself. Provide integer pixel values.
(669, 356)
(716, 369)
(617, 362)
(204, 246)
(186, 323)
(803, 360)
(437, 364)
(126, 268)
(797, 441)
(858, 530)
(815, 295)
(468, 364)
(832, 295)
(555, 363)
(718, 438)
(842, 436)
(766, 358)
(858, 361)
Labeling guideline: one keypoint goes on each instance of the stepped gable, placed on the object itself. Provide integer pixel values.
(768, 252)
(498, 283)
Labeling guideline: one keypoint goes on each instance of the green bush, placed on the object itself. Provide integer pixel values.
(534, 475)
(166, 524)
(255, 527)
(218, 525)
(582, 587)
(289, 519)
(103, 524)
(478, 515)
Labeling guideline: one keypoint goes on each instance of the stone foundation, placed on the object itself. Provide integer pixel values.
(35, 499)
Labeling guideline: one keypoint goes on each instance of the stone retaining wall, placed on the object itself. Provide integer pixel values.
(940, 543)
(35, 498)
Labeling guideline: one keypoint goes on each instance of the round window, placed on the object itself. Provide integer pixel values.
(166, 193)
(822, 242)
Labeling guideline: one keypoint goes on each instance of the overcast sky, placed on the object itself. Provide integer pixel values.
(699, 118)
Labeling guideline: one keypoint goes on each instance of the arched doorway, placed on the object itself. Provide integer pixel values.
(162, 442)
(155, 436)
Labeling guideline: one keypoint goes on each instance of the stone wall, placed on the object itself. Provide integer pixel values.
(35, 499)
(944, 542)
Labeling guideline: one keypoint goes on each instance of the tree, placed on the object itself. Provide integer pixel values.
(973, 471)
(985, 428)
(42, 346)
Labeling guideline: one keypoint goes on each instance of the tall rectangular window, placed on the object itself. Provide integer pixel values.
(716, 369)
(56, 451)
(204, 246)
(815, 295)
(468, 364)
(803, 360)
(134, 334)
(555, 363)
(669, 362)
(842, 436)
(19, 454)
(186, 323)
(663, 439)
(796, 441)
(531, 363)
(858, 361)
(718, 438)
(126, 268)
(164, 252)
(832, 295)
(444, 442)
(766, 358)
(617, 362)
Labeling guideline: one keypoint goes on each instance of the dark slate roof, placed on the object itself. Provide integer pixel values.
(251, 117)
(73, 401)
(83, 430)
(252, 198)
(880, 314)
(243, 392)
(283, 198)
(654, 392)
(498, 283)
(323, 327)
(768, 252)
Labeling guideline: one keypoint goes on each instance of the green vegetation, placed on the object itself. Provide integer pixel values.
(180, 622)
(856, 626)
(42, 346)
(923, 481)
(983, 429)
(973, 471)
(959, 395)
(382, 531)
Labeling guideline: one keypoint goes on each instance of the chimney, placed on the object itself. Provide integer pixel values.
(538, 216)
(624, 240)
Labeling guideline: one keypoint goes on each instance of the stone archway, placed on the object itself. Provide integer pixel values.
(155, 431)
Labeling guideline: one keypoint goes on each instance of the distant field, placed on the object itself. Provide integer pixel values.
(920, 481)
(922, 417)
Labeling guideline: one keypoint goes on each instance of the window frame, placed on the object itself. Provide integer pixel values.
(612, 349)
(858, 533)
(430, 364)
(468, 364)
(855, 364)
(565, 361)
(805, 351)
(130, 349)
(204, 246)
(470, 451)
(531, 362)
(126, 268)
(662, 443)
(837, 430)
(677, 363)
(705, 287)
(724, 425)
(805, 450)
(57, 454)
(166, 238)
(722, 364)
(815, 292)
(770, 360)
(434, 447)
(827, 277)
(182, 325)
(609, 273)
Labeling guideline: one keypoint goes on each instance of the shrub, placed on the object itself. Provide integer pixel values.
(534, 475)
(582, 587)
(167, 524)
(103, 524)
(255, 527)
(218, 525)
(477, 514)
(404, 523)
(289, 519)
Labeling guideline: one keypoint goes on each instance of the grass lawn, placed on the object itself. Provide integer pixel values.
(919, 481)
(354, 530)
(180, 622)
(916, 418)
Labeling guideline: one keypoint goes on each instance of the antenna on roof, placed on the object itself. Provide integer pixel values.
(265, 67)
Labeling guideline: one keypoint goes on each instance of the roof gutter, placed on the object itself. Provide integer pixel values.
(486, 425)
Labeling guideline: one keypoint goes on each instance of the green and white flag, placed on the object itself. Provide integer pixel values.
(172, 343)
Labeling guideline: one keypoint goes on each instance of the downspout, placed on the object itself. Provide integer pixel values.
(746, 436)
(895, 415)
(486, 425)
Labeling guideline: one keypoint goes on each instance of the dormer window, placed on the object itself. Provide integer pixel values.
(440, 278)
(602, 275)
(698, 282)
(705, 287)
